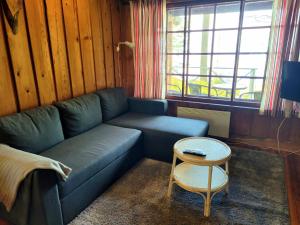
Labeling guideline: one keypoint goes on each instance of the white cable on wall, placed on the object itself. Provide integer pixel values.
(278, 139)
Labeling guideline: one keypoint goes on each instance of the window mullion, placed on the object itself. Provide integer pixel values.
(184, 50)
(187, 53)
(212, 49)
(238, 43)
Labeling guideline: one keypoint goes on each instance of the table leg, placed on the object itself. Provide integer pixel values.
(208, 198)
(227, 172)
(171, 176)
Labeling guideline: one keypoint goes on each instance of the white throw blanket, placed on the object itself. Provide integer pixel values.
(15, 165)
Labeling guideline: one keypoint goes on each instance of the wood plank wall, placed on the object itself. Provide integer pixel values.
(62, 49)
(126, 53)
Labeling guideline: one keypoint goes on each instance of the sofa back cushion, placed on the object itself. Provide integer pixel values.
(80, 114)
(33, 130)
(113, 102)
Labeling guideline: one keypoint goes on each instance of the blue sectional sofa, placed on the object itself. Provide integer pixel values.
(100, 136)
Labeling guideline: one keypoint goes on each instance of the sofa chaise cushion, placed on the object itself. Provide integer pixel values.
(80, 114)
(90, 152)
(113, 102)
(33, 130)
(161, 132)
(168, 124)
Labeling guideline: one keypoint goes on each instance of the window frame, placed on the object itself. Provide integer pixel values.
(186, 33)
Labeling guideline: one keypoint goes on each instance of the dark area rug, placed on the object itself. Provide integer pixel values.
(257, 196)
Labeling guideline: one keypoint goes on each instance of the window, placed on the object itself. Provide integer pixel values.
(218, 51)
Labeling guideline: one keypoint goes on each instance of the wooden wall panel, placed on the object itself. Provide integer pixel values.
(116, 32)
(62, 49)
(8, 101)
(21, 59)
(58, 46)
(127, 65)
(40, 48)
(74, 54)
(243, 128)
(294, 132)
(108, 44)
(87, 56)
(97, 33)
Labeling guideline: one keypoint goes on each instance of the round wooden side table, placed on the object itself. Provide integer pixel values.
(201, 175)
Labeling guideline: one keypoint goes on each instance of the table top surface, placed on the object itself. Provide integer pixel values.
(216, 151)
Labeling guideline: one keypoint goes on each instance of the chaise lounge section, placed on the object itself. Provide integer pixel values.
(99, 136)
(160, 132)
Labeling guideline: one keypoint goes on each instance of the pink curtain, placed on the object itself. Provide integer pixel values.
(284, 45)
(148, 22)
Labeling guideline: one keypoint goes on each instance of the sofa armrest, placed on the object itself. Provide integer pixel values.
(37, 202)
(148, 106)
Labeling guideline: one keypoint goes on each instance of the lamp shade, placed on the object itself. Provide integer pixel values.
(290, 83)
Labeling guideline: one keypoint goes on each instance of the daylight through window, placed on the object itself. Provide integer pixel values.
(218, 51)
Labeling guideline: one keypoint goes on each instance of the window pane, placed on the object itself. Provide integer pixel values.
(221, 87)
(176, 19)
(223, 65)
(249, 89)
(252, 65)
(258, 14)
(174, 85)
(175, 42)
(202, 18)
(199, 64)
(175, 64)
(228, 16)
(225, 41)
(200, 42)
(197, 86)
(255, 40)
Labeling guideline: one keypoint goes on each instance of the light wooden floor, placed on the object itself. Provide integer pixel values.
(267, 144)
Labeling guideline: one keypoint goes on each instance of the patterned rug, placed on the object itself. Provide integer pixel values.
(257, 195)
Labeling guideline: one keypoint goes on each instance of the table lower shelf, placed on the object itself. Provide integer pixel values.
(195, 178)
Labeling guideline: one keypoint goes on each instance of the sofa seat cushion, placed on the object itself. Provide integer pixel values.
(80, 114)
(161, 132)
(34, 130)
(90, 152)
